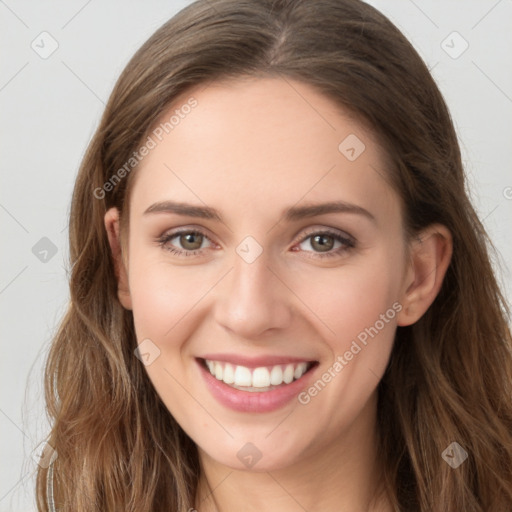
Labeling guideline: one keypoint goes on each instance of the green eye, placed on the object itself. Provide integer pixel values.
(323, 243)
(189, 242)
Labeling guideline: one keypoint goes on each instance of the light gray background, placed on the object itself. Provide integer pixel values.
(51, 107)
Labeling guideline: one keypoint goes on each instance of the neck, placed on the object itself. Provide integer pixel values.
(342, 475)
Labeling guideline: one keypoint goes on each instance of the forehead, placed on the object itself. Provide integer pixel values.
(259, 142)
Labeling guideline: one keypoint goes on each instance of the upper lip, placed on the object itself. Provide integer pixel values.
(255, 362)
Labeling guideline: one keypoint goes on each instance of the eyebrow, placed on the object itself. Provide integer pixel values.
(293, 213)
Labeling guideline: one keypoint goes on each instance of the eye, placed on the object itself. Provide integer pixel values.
(191, 242)
(326, 243)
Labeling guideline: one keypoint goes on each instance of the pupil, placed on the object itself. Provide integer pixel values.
(323, 245)
(187, 241)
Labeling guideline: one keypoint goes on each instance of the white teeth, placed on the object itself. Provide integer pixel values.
(276, 376)
(288, 373)
(261, 377)
(229, 374)
(300, 370)
(242, 376)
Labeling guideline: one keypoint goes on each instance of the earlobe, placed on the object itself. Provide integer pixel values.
(430, 256)
(112, 227)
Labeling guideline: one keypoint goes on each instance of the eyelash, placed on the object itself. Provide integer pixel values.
(349, 243)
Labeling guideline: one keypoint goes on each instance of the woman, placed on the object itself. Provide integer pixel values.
(281, 296)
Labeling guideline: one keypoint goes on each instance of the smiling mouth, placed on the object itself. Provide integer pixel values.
(260, 379)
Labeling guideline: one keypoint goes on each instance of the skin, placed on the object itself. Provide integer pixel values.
(252, 148)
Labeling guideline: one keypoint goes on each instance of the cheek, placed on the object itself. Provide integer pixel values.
(163, 295)
(352, 297)
(359, 303)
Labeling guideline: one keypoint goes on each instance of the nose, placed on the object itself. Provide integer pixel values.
(253, 299)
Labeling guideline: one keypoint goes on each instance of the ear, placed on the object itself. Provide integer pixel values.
(430, 255)
(113, 230)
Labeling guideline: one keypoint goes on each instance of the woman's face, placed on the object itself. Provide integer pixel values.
(265, 242)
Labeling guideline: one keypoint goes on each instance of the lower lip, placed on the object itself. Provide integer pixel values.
(258, 401)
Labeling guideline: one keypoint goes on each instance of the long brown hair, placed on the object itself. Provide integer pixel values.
(449, 378)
